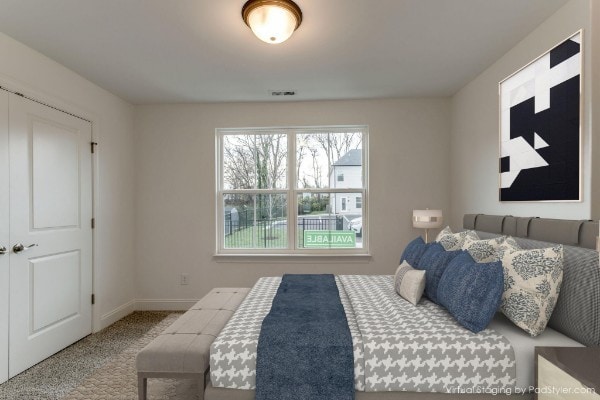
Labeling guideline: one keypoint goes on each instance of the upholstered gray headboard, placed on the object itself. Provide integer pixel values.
(579, 233)
(577, 311)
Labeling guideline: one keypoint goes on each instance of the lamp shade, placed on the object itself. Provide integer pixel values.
(427, 219)
(272, 21)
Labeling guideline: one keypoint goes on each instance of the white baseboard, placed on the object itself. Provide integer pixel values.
(164, 304)
(118, 313)
(124, 310)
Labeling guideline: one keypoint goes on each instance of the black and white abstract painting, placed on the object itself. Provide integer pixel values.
(540, 127)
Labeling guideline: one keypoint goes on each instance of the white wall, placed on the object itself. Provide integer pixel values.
(595, 59)
(475, 130)
(30, 72)
(175, 203)
(156, 216)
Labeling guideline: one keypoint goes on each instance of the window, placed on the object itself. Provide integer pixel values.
(279, 190)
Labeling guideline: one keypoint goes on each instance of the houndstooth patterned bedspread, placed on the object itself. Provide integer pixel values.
(233, 353)
(397, 346)
(422, 348)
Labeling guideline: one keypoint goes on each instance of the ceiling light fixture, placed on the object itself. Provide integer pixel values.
(272, 21)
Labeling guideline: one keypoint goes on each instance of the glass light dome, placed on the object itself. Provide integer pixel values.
(272, 21)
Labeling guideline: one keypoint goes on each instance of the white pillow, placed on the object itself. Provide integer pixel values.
(409, 282)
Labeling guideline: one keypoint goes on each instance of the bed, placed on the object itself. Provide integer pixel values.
(405, 352)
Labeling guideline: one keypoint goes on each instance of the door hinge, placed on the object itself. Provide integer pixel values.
(93, 223)
(93, 299)
(93, 146)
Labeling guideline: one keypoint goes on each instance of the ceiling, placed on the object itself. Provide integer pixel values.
(174, 51)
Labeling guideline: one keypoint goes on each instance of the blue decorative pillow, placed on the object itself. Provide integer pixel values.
(414, 251)
(471, 291)
(434, 261)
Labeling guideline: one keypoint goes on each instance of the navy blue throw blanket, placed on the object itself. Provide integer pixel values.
(305, 347)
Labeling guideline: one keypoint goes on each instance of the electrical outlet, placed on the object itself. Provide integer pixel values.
(184, 279)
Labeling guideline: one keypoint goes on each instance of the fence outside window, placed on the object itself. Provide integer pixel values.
(242, 230)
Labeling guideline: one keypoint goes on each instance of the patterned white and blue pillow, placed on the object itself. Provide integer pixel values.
(443, 232)
(483, 251)
(532, 280)
(511, 243)
(454, 241)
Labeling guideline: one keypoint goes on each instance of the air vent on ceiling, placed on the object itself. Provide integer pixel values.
(282, 92)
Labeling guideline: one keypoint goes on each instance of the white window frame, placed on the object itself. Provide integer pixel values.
(291, 192)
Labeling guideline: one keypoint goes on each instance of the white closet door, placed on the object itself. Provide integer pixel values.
(50, 210)
(4, 238)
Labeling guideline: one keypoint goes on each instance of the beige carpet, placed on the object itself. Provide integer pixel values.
(117, 380)
(100, 366)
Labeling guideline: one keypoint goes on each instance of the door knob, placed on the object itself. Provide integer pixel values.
(2, 250)
(18, 248)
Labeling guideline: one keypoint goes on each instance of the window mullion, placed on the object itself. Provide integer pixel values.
(292, 217)
(220, 222)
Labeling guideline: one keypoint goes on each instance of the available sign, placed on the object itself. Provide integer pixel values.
(329, 239)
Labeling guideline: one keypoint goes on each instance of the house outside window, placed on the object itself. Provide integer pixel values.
(279, 190)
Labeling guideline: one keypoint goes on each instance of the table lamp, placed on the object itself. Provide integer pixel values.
(427, 219)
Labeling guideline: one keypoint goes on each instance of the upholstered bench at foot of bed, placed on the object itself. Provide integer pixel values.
(183, 349)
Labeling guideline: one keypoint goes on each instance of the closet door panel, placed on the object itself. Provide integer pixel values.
(50, 214)
(4, 236)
